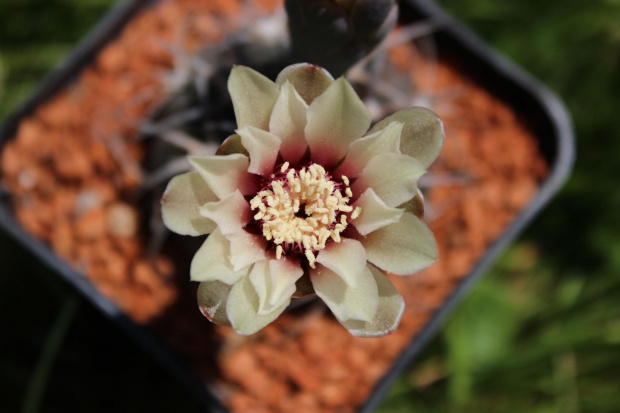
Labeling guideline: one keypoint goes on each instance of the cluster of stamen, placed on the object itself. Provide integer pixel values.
(302, 210)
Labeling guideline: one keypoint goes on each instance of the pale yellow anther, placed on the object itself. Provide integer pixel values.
(323, 236)
(356, 213)
(335, 236)
(310, 191)
(278, 189)
(310, 257)
(315, 242)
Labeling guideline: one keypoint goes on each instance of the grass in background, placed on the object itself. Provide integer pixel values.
(35, 35)
(540, 333)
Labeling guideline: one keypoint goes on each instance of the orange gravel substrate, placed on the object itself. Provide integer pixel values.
(74, 167)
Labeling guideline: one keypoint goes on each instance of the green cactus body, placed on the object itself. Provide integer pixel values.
(337, 33)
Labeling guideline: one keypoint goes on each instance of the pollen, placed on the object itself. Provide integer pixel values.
(302, 210)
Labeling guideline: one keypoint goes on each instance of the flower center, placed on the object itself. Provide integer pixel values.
(301, 210)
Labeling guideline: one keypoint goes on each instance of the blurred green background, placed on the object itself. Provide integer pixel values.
(540, 332)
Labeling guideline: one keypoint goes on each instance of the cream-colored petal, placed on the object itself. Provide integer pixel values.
(253, 97)
(284, 274)
(335, 119)
(308, 80)
(181, 202)
(246, 249)
(346, 258)
(288, 121)
(389, 311)
(375, 214)
(393, 177)
(261, 281)
(402, 248)
(415, 206)
(359, 303)
(211, 261)
(212, 297)
(362, 150)
(422, 136)
(263, 148)
(232, 145)
(231, 213)
(242, 308)
(274, 282)
(225, 174)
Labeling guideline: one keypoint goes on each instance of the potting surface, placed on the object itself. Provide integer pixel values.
(74, 168)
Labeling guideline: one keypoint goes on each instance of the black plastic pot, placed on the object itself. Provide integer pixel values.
(545, 113)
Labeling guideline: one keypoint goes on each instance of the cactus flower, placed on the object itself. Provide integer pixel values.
(305, 199)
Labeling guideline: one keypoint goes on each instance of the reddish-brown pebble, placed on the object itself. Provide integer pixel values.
(62, 240)
(122, 220)
(332, 395)
(91, 225)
